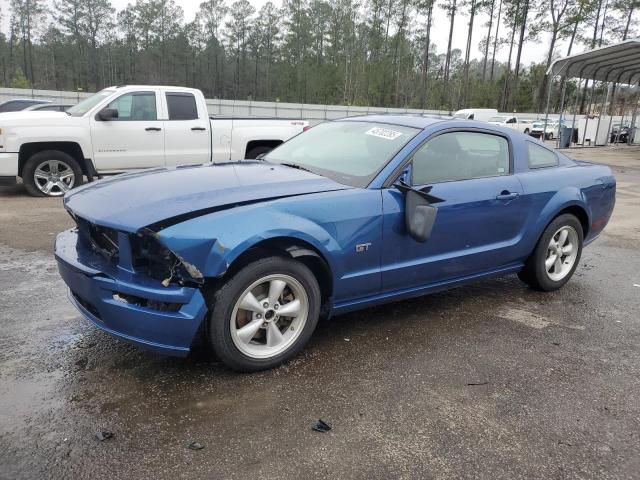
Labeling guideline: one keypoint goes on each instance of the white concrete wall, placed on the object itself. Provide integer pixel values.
(243, 108)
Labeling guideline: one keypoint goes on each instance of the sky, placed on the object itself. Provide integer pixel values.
(531, 52)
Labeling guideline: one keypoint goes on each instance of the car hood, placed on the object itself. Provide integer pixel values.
(29, 115)
(165, 196)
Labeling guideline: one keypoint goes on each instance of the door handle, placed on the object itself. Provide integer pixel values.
(198, 129)
(153, 129)
(506, 195)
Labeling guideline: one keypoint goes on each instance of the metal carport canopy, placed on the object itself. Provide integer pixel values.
(619, 63)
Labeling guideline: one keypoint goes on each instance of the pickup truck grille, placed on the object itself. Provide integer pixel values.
(102, 239)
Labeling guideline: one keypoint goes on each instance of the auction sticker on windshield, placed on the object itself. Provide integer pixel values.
(383, 133)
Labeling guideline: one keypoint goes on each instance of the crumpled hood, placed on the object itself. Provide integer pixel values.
(132, 201)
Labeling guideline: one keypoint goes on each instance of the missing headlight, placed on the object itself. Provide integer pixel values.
(153, 259)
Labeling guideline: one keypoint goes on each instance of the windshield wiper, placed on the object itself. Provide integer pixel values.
(295, 165)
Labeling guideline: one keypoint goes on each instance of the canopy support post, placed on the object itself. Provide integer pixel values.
(564, 85)
(604, 102)
(575, 106)
(546, 110)
(586, 122)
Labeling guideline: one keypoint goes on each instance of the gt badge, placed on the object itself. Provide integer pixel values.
(362, 247)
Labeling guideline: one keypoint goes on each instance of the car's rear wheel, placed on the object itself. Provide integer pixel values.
(264, 314)
(550, 136)
(556, 255)
(51, 173)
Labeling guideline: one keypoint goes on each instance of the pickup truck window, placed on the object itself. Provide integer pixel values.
(351, 153)
(182, 106)
(87, 104)
(460, 156)
(135, 106)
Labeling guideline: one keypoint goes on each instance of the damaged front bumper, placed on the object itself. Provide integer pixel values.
(131, 306)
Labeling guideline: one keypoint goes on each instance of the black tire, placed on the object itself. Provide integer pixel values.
(223, 300)
(38, 159)
(534, 272)
(526, 131)
(254, 152)
(550, 136)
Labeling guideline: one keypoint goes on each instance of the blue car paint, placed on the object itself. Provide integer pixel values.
(210, 215)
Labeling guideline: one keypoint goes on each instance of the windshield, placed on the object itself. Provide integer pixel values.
(351, 153)
(88, 103)
(498, 119)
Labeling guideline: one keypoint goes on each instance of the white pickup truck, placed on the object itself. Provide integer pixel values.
(127, 128)
(514, 123)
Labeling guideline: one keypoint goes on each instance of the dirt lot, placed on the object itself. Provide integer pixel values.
(486, 381)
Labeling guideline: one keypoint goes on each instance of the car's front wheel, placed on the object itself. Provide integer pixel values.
(556, 255)
(264, 314)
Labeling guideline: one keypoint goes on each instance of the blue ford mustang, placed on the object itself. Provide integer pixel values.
(350, 214)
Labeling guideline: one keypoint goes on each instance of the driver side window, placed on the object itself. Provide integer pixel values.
(460, 156)
(135, 106)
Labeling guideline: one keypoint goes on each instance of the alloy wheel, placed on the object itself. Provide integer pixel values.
(269, 316)
(561, 253)
(54, 177)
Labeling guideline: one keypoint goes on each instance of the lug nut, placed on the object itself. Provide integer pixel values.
(265, 304)
(275, 307)
(258, 315)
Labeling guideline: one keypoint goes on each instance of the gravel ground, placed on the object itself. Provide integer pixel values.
(491, 380)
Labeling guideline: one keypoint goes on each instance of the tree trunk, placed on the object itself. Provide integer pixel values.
(472, 13)
(626, 27)
(495, 42)
(593, 45)
(486, 43)
(447, 64)
(523, 27)
(425, 61)
(505, 86)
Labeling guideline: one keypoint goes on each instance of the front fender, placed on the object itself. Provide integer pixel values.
(239, 229)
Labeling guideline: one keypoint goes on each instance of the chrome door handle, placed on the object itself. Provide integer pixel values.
(153, 129)
(198, 129)
(507, 195)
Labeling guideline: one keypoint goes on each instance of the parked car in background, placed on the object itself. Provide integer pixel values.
(48, 107)
(620, 134)
(127, 128)
(17, 104)
(351, 214)
(478, 114)
(514, 123)
(551, 129)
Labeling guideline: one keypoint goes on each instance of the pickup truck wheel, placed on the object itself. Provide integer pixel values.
(254, 152)
(264, 314)
(556, 256)
(51, 173)
(526, 131)
(549, 136)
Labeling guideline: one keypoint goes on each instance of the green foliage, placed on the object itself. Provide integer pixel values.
(354, 52)
(19, 80)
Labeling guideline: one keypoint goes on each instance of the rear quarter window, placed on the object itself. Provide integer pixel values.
(540, 157)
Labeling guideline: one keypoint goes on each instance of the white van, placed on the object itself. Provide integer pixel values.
(481, 114)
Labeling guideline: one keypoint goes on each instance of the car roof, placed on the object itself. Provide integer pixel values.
(415, 121)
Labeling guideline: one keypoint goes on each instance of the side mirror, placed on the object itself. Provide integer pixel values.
(107, 114)
(420, 216)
